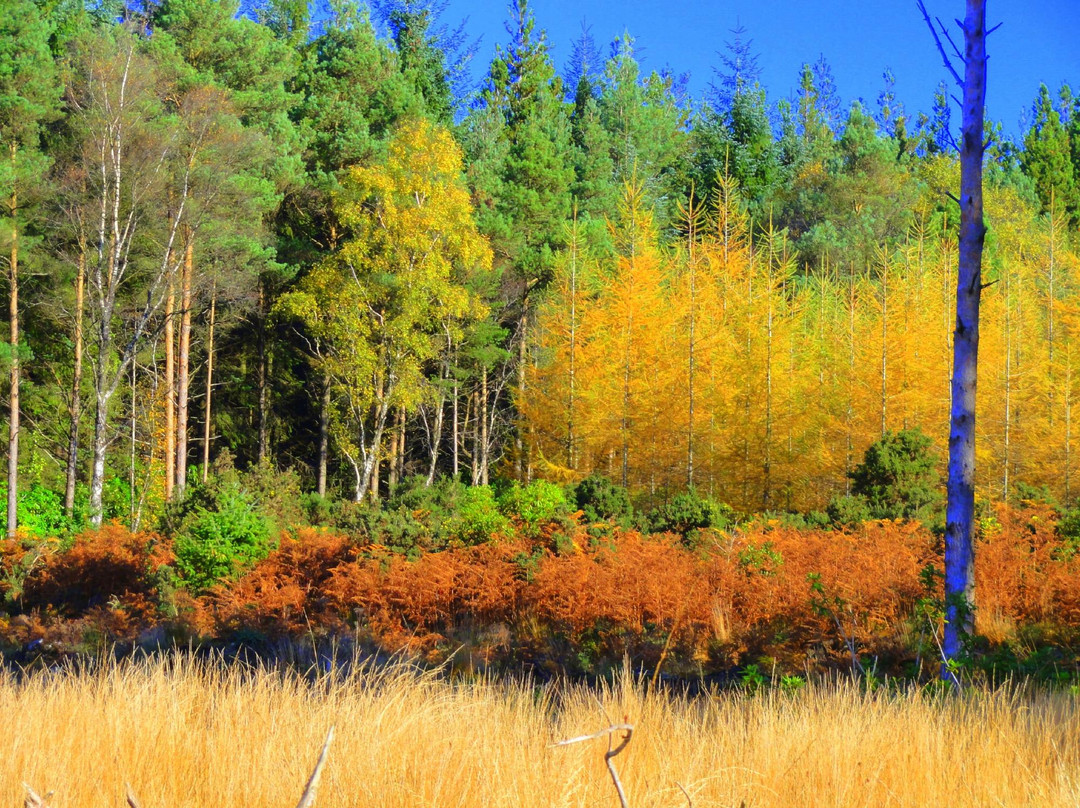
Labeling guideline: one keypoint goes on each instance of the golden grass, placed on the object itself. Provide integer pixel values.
(191, 734)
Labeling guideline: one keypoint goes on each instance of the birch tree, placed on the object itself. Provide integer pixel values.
(393, 296)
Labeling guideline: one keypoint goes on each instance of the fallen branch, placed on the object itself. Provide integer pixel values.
(611, 752)
(307, 799)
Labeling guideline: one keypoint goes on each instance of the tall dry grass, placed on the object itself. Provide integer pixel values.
(185, 733)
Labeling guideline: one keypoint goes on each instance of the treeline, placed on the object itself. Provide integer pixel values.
(307, 243)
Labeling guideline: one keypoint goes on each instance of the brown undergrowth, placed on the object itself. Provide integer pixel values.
(791, 600)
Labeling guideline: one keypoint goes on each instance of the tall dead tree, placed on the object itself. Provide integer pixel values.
(960, 511)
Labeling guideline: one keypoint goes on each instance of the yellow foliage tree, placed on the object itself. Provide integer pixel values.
(381, 310)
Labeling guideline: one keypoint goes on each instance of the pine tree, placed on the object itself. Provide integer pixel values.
(29, 97)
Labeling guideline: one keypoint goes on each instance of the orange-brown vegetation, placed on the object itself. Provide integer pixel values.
(798, 599)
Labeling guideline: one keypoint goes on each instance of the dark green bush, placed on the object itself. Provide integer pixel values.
(899, 479)
(222, 543)
(688, 512)
(849, 510)
(601, 500)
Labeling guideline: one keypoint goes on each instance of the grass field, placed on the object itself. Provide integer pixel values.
(193, 734)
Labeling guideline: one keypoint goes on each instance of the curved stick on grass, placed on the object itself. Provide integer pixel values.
(611, 752)
(307, 799)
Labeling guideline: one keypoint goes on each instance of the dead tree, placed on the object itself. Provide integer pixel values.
(960, 511)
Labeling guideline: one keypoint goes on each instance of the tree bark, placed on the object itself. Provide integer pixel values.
(324, 436)
(13, 423)
(482, 414)
(183, 381)
(264, 397)
(170, 388)
(392, 460)
(209, 382)
(76, 389)
(960, 512)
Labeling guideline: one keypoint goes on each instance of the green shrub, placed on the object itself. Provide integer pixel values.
(535, 504)
(850, 510)
(899, 479)
(477, 518)
(688, 512)
(601, 500)
(222, 543)
(1038, 494)
(40, 511)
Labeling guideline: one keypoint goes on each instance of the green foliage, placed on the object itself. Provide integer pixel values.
(690, 511)
(418, 517)
(221, 544)
(1040, 494)
(534, 504)
(599, 499)
(40, 511)
(898, 478)
(225, 525)
(478, 518)
(760, 560)
(848, 510)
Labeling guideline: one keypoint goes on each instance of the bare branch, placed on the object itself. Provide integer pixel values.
(937, 40)
(993, 28)
(948, 36)
(307, 799)
(610, 754)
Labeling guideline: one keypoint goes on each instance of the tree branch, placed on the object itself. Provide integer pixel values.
(609, 755)
(307, 799)
(940, 47)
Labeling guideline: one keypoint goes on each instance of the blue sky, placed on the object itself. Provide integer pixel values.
(1038, 42)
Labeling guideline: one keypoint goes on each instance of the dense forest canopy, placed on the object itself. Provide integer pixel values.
(243, 235)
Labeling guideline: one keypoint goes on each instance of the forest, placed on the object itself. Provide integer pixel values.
(275, 269)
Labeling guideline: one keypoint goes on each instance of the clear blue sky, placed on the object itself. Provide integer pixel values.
(1039, 42)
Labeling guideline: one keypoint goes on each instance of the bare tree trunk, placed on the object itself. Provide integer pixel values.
(691, 358)
(884, 343)
(523, 358)
(436, 439)
(960, 512)
(766, 490)
(456, 428)
(474, 397)
(324, 436)
(183, 382)
(401, 454)
(209, 383)
(76, 389)
(392, 459)
(1050, 305)
(264, 396)
(482, 414)
(13, 423)
(1008, 385)
(132, 447)
(170, 388)
(1068, 419)
(572, 379)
